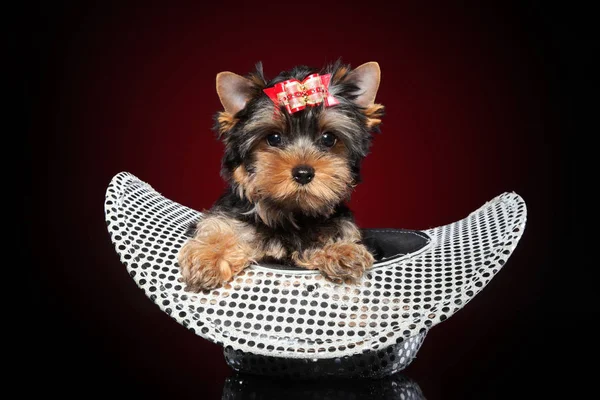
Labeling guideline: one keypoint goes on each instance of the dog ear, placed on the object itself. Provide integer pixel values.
(234, 91)
(366, 77)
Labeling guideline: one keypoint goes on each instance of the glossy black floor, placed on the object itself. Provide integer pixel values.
(486, 361)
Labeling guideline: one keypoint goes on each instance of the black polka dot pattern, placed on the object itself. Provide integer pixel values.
(298, 314)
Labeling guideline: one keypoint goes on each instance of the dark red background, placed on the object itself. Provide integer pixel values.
(478, 103)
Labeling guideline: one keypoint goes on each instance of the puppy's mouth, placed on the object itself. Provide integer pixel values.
(299, 180)
(311, 195)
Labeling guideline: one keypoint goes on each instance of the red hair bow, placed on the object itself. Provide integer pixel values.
(296, 95)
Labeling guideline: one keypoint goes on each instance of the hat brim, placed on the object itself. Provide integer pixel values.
(297, 313)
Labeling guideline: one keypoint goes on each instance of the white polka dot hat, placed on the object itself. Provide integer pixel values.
(285, 321)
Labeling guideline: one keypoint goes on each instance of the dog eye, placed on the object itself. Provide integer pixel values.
(328, 139)
(274, 139)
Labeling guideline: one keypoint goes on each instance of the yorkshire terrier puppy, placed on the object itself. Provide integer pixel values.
(293, 148)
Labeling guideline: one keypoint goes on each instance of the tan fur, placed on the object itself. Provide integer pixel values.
(273, 180)
(341, 261)
(340, 74)
(221, 248)
(244, 183)
(226, 122)
(349, 231)
(374, 113)
(271, 215)
(274, 249)
(240, 175)
(258, 82)
(247, 87)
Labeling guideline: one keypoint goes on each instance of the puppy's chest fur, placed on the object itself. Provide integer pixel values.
(292, 234)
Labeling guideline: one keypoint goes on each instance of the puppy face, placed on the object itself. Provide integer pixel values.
(306, 162)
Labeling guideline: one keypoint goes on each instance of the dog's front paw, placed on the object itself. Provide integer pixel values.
(339, 261)
(209, 262)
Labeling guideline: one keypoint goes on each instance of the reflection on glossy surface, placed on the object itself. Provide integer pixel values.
(397, 386)
(367, 364)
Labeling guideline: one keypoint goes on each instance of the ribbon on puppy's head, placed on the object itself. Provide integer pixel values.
(295, 95)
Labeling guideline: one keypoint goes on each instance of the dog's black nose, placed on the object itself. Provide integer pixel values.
(303, 174)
